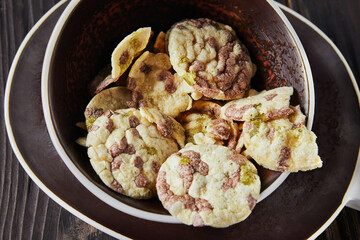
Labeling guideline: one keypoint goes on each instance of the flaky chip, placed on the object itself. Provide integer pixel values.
(129, 48)
(203, 126)
(126, 150)
(109, 99)
(152, 76)
(266, 105)
(281, 144)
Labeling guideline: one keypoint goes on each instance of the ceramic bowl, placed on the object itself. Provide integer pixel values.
(88, 31)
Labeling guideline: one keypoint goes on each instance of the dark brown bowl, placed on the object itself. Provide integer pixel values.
(86, 35)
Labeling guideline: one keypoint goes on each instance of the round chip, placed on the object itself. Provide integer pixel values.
(210, 58)
(126, 150)
(109, 99)
(281, 144)
(203, 126)
(151, 76)
(129, 48)
(265, 105)
(208, 185)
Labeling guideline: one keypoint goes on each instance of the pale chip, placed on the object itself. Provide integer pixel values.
(264, 106)
(129, 48)
(151, 76)
(210, 58)
(203, 125)
(208, 185)
(109, 99)
(281, 145)
(126, 151)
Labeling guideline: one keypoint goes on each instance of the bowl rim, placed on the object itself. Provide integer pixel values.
(87, 182)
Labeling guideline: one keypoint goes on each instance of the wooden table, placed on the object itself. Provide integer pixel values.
(28, 213)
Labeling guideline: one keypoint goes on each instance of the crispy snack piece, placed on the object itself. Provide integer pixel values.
(209, 57)
(126, 150)
(166, 125)
(283, 144)
(96, 85)
(159, 45)
(109, 99)
(104, 83)
(129, 48)
(208, 185)
(203, 125)
(265, 105)
(152, 77)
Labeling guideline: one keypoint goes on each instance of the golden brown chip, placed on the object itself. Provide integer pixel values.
(109, 99)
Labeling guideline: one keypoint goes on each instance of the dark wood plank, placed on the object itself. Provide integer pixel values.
(74, 228)
(339, 20)
(27, 213)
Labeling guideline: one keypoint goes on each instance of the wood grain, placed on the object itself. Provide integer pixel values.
(28, 213)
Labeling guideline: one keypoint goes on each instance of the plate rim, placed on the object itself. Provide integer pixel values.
(81, 215)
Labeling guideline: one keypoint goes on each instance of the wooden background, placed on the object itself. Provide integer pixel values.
(28, 213)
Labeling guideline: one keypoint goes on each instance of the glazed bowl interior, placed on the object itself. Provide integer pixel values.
(92, 29)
